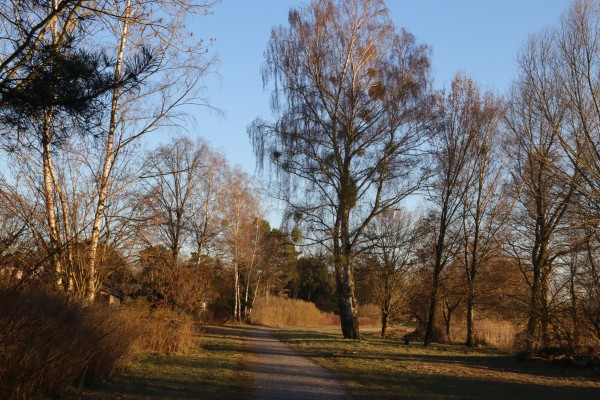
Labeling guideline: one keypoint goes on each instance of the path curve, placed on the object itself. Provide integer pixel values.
(281, 373)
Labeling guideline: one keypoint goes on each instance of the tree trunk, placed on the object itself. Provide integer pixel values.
(236, 310)
(533, 319)
(429, 330)
(470, 318)
(384, 323)
(347, 304)
(343, 260)
(109, 158)
(55, 247)
(573, 293)
(448, 320)
(545, 309)
(537, 323)
(432, 310)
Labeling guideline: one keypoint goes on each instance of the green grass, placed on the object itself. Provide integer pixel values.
(216, 369)
(378, 368)
(374, 368)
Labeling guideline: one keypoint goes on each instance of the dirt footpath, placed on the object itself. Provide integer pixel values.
(280, 373)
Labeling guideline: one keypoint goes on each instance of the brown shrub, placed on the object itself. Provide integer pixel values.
(48, 344)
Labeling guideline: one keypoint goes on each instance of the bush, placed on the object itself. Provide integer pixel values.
(281, 311)
(161, 330)
(47, 344)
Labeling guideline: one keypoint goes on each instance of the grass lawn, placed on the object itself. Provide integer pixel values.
(377, 368)
(215, 369)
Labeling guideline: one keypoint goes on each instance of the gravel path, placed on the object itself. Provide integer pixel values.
(280, 373)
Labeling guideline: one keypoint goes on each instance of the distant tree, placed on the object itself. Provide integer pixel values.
(156, 275)
(392, 240)
(173, 180)
(315, 283)
(206, 225)
(243, 231)
(349, 93)
(277, 262)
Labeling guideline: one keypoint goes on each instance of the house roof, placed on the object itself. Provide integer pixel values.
(112, 292)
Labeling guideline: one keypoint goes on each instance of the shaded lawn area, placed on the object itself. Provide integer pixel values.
(215, 369)
(378, 368)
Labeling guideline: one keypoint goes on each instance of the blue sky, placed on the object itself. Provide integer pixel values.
(478, 37)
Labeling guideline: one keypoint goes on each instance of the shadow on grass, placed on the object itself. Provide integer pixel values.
(377, 369)
(392, 385)
(136, 387)
(216, 369)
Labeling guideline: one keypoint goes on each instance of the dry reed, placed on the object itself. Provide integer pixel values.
(498, 334)
(281, 311)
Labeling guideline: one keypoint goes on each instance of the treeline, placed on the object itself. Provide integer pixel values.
(507, 225)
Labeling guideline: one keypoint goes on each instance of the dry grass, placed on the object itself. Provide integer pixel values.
(161, 330)
(371, 311)
(498, 334)
(281, 311)
(49, 345)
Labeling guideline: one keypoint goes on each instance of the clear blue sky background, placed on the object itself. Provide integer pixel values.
(478, 37)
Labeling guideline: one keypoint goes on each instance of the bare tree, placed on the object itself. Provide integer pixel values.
(173, 180)
(452, 149)
(485, 208)
(576, 67)
(55, 77)
(348, 95)
(544, 177)
(206, 225)
(392, 239)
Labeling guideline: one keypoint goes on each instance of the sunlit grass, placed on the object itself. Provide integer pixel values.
(216, 368)
(377, 368)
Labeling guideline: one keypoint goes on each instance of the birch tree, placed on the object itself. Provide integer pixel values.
(348, 92)
(241, 237)
(156, 29)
